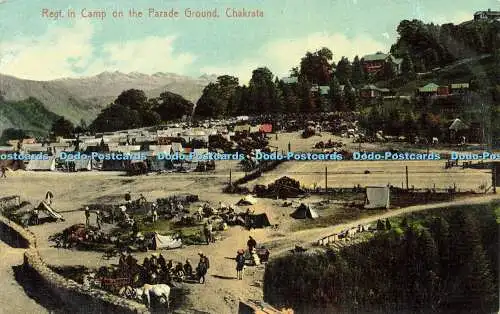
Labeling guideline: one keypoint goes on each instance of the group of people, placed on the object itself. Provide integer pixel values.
(155, 269)
(208, 231)
(240, 257)
(99, 217)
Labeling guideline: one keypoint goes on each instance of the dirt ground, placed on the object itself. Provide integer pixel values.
(222, 291)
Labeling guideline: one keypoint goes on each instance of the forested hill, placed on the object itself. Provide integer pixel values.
(29, 115)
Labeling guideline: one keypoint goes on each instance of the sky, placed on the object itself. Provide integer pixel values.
(37, 47)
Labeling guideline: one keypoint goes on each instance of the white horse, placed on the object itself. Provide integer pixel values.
(160, 291)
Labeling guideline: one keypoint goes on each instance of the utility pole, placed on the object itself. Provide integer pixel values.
(230, 175)
(326, 179)
(406, 177)
(494, 177)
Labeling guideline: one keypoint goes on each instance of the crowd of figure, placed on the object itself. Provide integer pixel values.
(156, 270)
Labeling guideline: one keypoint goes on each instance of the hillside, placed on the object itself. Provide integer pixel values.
(463, 71)
(83, 98)
(29, 115)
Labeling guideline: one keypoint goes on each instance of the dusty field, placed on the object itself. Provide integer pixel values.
(221, 292)
(421, 174)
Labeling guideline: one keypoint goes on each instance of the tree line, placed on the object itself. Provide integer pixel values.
(445, 263)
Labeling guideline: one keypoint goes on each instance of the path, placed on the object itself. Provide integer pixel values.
(13, 298)
(307, 238)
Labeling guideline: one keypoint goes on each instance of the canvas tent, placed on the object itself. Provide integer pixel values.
(247, 200)
(166, 242)
(377, 197)
(42, 165)
(47, 209)
(155, 164)
(458, 125)
(259, 221)
(304, 211)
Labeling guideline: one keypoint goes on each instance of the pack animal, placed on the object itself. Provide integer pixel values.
(160, 291)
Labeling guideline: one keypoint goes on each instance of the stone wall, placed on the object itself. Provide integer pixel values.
(76, 298)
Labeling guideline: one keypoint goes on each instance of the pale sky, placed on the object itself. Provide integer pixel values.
(41, 48)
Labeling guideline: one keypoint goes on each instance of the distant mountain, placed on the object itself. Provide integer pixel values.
(83, 98)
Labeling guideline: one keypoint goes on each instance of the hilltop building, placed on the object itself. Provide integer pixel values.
(487, 15)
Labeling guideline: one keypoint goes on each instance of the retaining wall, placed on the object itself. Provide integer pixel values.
(76, 298)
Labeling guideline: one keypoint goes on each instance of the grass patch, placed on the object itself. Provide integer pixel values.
(343, 215)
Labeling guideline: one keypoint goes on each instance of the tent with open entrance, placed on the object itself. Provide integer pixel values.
(247, 200)
(304, 211)
(49, 211)
(166, 242)
(258, 221)
(377, 197)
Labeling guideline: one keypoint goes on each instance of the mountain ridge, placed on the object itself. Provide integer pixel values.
(84, 97)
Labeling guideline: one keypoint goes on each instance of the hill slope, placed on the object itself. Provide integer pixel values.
(83, 98)
(29, 115)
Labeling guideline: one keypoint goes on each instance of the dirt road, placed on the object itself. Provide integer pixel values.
(307, 238)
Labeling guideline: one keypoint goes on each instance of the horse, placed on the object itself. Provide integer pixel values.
(161, 291)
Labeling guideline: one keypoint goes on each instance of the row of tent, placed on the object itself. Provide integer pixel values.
(50, 164)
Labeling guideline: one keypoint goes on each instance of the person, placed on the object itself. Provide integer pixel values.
(128, 197)
(251, 243)
(98, 219)
(188, 269)
(48, 198)
(122, 263)
(162, 262)
(87, 216)
(4, 170)
(155, 214)
(142, 199)
(207, 233)
(240, 263)
(35, 217)
(210, 230)
(203, 266)
(170, 265)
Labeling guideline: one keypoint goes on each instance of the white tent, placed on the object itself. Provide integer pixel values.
(42, 165)
(49, 211)
(377, 197)
(166, 242)
(458, 125)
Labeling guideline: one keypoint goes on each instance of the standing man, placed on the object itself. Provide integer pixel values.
(240, 264)
(36, 220)
(3, 170)
(202, 268)
(251, 243)
(128, 198)
(98, 219)
(87, 216)
(155, 214)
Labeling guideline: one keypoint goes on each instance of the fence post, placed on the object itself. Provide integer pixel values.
(407, 177)
(326, 179)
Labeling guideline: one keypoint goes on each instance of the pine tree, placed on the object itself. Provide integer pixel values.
(335, 94)
(358, 72)
(407, 67)
(350, 97)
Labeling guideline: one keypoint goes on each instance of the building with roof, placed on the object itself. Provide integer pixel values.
(372, 91)
(487, 15)
(290, 80)
(373, 63)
